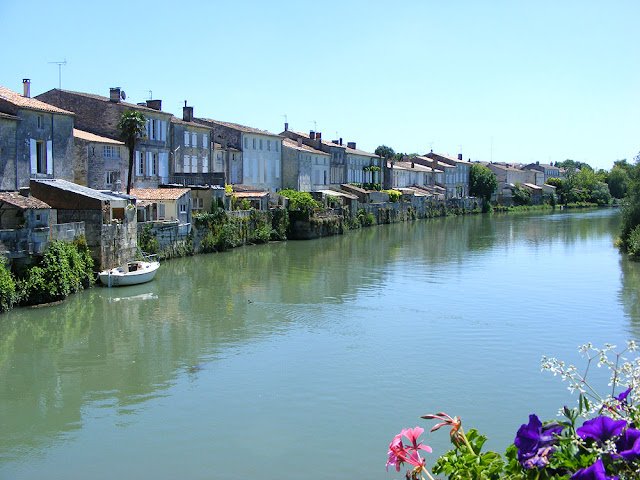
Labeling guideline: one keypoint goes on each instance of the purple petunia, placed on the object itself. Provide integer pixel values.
(594, 472)
(601, 428)
(535, 442)
(628, 445)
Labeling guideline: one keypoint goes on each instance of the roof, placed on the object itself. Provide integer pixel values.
(90, 137)
(289, 143)
(20, 101)
(132, 106)
(448, 157)
(159, 193)
(415, 167)
(22, 202)
(188, 124)
(236, 126)
(250, 194)
(218, 146)
(9, 117)
(335, 193)
(532, 186)
(80, 189)
(353, 151)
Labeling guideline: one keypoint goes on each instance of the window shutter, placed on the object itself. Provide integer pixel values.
(148, 131)
(205, 141)
(186, 160)
(34, 155)
(149, 164)
(205, 164)
(277, 167)
(194, 139)
(186, 138)
(139, 163)
(49, 159)
(194, 164)
(163, 131)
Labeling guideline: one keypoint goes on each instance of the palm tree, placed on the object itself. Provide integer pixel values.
(131, 127)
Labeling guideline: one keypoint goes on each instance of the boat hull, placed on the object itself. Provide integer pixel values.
(134, 273)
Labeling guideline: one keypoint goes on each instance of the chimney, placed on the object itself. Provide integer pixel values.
(114, 94)
(413, 165)
(312, 135)
(300, 142)
(26, 85)
(286, 126)
(340, 141)
(155, 104)
(24, 191)
(187, 113)
(318, 136)
(459, 156)
(351, 145)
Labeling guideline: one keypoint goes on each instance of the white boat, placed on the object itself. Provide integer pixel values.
(132, 273)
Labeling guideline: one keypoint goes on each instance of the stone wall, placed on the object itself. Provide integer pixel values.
(67, 232)
(8, 145)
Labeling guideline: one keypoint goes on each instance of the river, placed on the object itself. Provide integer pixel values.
(304, 359)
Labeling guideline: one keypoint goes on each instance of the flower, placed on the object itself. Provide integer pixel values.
(628, 445)
(400, 453)
(535, 442)
(594, 472)
(455, 423)
(601, 428)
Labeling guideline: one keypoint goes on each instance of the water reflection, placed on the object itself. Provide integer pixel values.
(109, 352)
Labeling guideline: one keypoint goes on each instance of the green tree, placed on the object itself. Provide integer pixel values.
(482, 182)
(618, 181)
(385, 152)
(521, 195)
(131, 127)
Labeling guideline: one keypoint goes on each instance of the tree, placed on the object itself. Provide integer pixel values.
(618, 181)
(385, 152)
(482, 182)
(521, 195)
(131, 127)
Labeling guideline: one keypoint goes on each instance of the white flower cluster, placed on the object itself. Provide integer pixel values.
(625, 373)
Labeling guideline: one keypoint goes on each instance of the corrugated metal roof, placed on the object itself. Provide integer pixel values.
(80, 189)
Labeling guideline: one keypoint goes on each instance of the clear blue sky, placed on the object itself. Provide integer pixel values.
(518, 81)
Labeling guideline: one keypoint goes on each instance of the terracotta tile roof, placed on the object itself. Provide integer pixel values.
(20, 101)
(218, 146)
(159, 193)
(236, 126)
(90, 137)
(287, 142)
(22, 202)
(416, 167)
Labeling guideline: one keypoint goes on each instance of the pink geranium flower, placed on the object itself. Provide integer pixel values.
(400, 453)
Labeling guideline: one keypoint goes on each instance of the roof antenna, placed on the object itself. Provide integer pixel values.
(60, 64)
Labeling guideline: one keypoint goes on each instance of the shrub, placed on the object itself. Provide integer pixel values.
(394, 195)
(8, 291)
(147, 240)
(299, 200)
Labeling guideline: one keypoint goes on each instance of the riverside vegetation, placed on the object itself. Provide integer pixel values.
(65, 268)
(606, 446)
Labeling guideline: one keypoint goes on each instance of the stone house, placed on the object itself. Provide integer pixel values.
(228, 162)
(167, 204)
(548, 170)
(362, 167)
(261, 154)
(36, 139)
(461, 174)
(100, 115)
(304, 168)
(447, 178)
(191, 155)
(24, 224)
(410, 174)
(109, 218)
(100, 163)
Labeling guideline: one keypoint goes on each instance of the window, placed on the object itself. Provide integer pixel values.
(183, 208)
(246, 142)
(110, 178)
(205, 164)
(194, 139)
(186, 139)
(40, 122)
(268, 145)
(41, 156)
(254, 143)
(110, 151)
(187, 163)
(140, 162)
(205, 140)
(154, 164)
(260, 144)
(276, 146)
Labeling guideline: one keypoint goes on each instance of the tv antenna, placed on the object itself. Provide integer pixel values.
(315, 127)
(60, 64)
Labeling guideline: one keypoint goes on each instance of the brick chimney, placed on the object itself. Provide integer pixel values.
(187, 113)
(312, 135)
(155, 104)
(114, 94)
(351, 145)
(26, 86)
(460, 156)
(286, 126)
